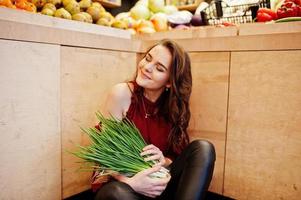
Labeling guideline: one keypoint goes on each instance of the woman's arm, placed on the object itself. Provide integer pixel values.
(117, 101)
(116, 104)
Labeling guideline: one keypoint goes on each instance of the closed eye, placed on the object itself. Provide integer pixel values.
(160, 68)
(148, 57)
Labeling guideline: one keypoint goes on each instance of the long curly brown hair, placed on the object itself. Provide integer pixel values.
(175, 102)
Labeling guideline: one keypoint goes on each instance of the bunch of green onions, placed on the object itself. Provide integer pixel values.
(116, 148)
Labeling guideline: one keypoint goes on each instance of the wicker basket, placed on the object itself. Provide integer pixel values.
(219, 12)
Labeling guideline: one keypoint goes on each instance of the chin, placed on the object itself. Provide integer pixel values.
(141, 82)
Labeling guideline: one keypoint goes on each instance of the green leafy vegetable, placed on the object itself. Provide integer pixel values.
(116, 148)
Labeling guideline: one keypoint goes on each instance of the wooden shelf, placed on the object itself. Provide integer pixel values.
(189, 7)
(109, 4)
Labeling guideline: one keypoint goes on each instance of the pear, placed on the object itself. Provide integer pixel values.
(79, 17)
(62, 13)
(66, 2)
(50, 6)
(106, 15)
(84, 4)
(47, 11)
(73, 7)
(94, 12)
(31, 7)
(88, 17)
(119, 24)
(146, 30)
(123, 15)
(57, 3)
(130, 22)
(103, 22)
(96, 4)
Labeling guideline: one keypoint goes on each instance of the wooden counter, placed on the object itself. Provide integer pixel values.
(245, 100)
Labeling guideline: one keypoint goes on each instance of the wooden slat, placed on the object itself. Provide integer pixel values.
(289, 41)
(30, 158)
(192, 33)
(86, 77)
(272, 28)
(210, 73)
(263, 157)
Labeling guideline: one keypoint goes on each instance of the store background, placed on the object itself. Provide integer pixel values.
(246, 100)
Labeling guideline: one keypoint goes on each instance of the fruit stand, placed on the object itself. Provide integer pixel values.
(245, 100)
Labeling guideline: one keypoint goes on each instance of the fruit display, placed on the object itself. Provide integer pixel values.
(83, 10)
(265, 14)
(19, 4)
(146, 16)
(288, 10)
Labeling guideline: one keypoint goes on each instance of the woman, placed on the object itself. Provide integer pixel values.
(157, 101)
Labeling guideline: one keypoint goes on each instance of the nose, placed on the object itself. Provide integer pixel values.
(148, 67)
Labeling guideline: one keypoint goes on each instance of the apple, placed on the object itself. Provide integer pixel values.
(160, 21)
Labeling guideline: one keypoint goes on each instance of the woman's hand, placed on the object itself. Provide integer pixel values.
(144, 184)
(153, 153)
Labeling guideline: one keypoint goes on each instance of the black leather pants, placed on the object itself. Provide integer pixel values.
(191, 175)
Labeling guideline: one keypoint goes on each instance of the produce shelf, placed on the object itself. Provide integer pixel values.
(190, 7)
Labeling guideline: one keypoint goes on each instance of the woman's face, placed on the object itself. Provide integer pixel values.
(154, 69)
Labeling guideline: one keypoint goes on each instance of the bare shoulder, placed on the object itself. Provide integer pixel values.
(120, 92)
(118, 100)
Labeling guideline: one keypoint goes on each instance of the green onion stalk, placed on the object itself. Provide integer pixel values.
(116, 148)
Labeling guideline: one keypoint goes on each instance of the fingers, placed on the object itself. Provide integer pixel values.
(151, 151)
(152, 186)
(150, 146)
(156, 191)
(154, 152)
(162, 181)
(149, 171)
(153, 157)
(159, 188)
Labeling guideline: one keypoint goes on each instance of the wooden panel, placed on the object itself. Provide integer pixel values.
(263, 159)
(191, 33)
(87, 75)
(210, 73)
(289, 41)
(263, 28)
(30, 158)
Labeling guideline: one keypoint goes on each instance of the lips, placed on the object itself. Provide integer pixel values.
(144, 76)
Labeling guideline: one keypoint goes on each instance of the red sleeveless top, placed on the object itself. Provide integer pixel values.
(154, 128)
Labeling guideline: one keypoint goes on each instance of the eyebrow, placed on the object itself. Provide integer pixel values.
(157, 61)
